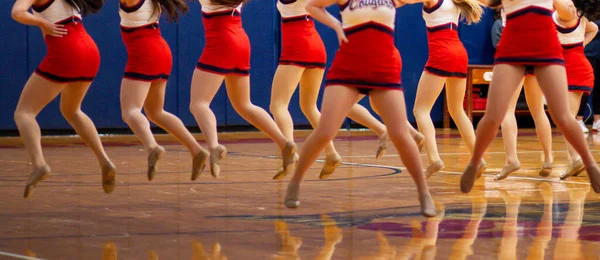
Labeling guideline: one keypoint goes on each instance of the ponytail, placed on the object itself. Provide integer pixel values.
(228, 3)
(173, 8)
(470, 10)
(588, 8)
(86, 7)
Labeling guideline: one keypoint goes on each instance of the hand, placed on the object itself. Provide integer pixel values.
(56, 30)
(341, 35)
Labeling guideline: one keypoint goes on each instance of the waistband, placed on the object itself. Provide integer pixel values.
(233, 12)
(305, 17)
(448, 26)
(572, 46)
(69, 20)
(530, 9)
(133, 29)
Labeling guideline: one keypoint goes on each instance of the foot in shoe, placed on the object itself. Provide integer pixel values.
(109, 178)
(575, 168)
(331, 163)
(427, 205)
(594, 175)
(434, 168)
(467, 180)
(481, 168)
(35, 177)
(383, 142)
(291, 197)
(156, 154)
(420, 140)
(288, 157)
(199, 163)
(281, 173)
(546, 169)
(216, 155)
(507, 170)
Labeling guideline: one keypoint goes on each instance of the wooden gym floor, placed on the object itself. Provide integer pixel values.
(367, 210)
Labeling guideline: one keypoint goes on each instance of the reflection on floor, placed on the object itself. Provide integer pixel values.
(366, 210)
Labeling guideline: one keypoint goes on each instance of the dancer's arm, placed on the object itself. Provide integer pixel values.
(20, 14)
(316, 8)
(567, 13)
(591, 29)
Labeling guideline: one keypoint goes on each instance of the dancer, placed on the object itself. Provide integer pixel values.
(226, 56)
(534, 98)
(574, 32)
(68, 69)
(529, 40)
(447, 65)
(368, 63)
(149, 64)
(302, 61)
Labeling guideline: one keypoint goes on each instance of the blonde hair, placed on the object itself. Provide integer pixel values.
(470, 10)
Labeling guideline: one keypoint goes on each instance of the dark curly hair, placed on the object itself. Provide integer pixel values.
(228, 3)
(173, 8)
(588, 8)
(86, 7)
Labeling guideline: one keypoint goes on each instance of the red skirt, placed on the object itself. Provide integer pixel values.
(148, 54)
(227, 49)
(368, 61)
(580, 74)
(529, 39)
(71, 58)
(447, 55)
(301, 43)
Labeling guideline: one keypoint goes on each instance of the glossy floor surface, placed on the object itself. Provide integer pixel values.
(367, 210)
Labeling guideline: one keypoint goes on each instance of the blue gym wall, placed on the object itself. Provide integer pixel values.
(22, 48)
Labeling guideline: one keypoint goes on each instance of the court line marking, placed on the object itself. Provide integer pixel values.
(463, 153)
(18, 256)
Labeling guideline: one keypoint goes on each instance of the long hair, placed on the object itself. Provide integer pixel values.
(174, 8)
(588, 8)
(86, 7)
(470, 10)
(228, 3)
(494, 3)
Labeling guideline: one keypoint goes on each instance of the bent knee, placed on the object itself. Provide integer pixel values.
(129, 114)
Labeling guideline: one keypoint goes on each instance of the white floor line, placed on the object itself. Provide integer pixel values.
(525, 178)
(18, 256)
(465, 153)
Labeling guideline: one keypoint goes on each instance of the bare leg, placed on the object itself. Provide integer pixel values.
(361, 115)
(576, 165)
(337, 100)
(38, 92)
(204, 88)
(509, 137)
(554, 85)
(309, 92)
(502, 88)
(534, 97)
(154, 108)
(428, 91)
(70, 107)
(238, 91)
(393, 112)
(285, 82)
(537, 250)
(133, 96)
(455, 93)
(508, 244)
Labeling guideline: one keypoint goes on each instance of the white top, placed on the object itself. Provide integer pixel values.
(55, 11)
(208, 7)
(511, 6)
(503, 16)
(292, 8)
(444, 12)
(143, 13)
(570, 35)
(356, 12)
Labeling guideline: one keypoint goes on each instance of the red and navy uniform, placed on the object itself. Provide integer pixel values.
(529, 38)
(370, 59)
(447, 55)
(73, 57)
(580, 74)
(149, 57)
(227, 49)
(301, 43)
